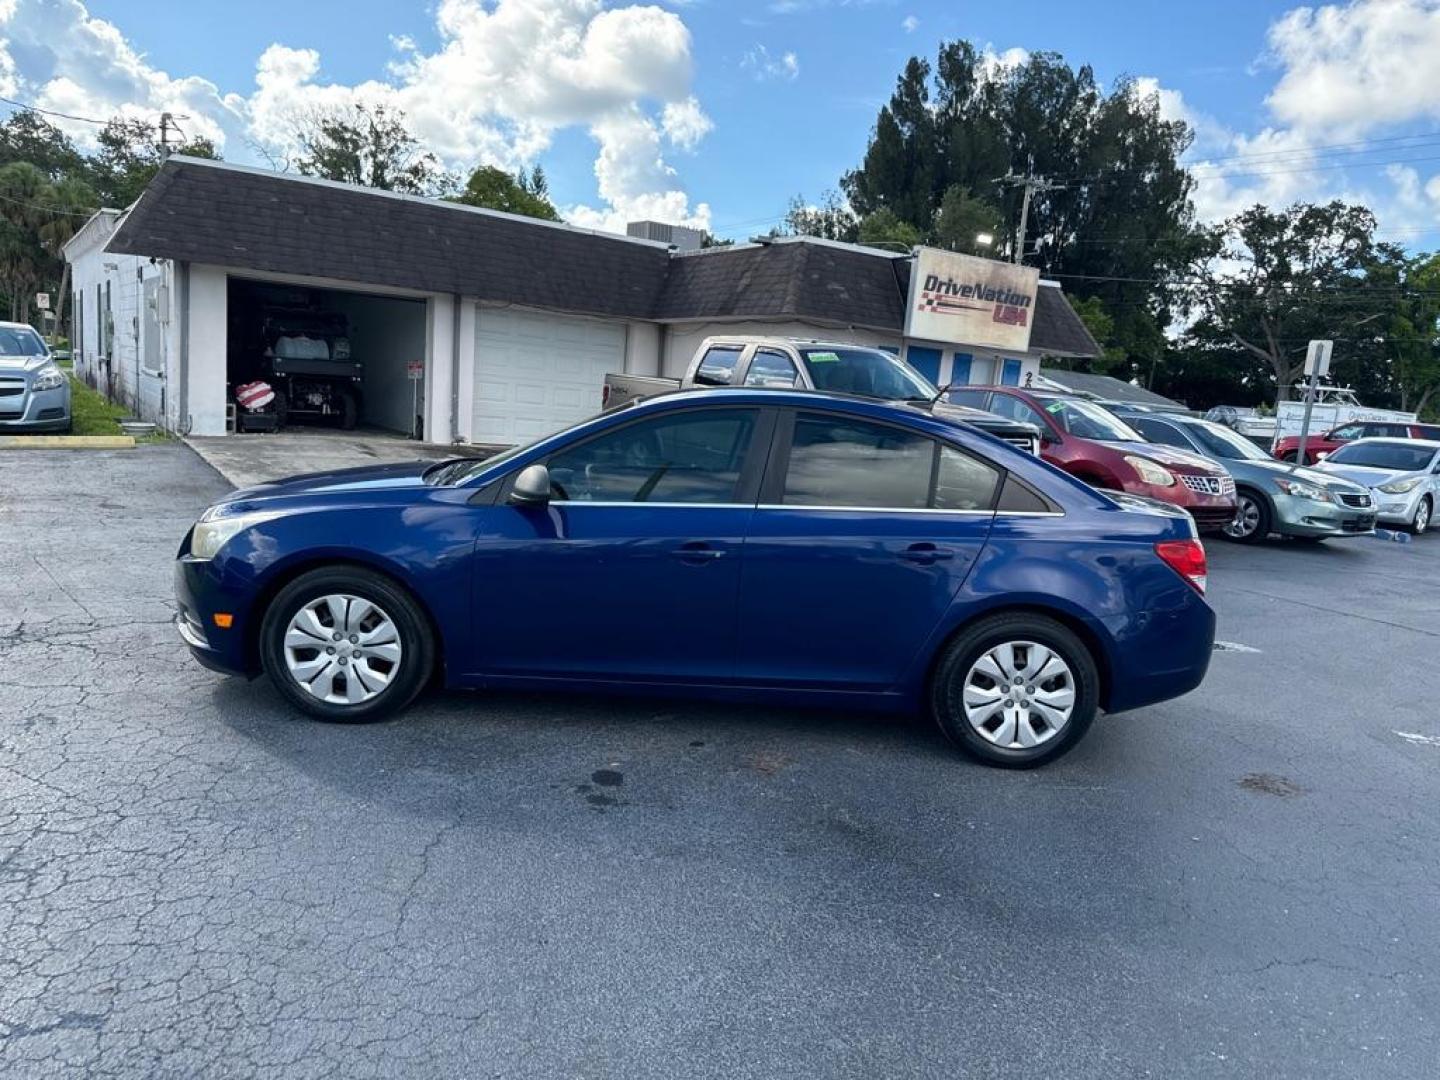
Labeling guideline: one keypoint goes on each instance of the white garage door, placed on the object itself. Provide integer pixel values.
(536, 373)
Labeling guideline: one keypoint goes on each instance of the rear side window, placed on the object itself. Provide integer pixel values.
(1425, 431)
(1015, 409)
(771, 368)
(841, 462)
(717, 366)
(695, 458)
(1157, 431)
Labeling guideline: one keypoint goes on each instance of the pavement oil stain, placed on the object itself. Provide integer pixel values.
(608, 777)
(1270, 784)
(768, 764)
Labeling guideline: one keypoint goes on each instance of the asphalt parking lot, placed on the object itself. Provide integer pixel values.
(194, 882)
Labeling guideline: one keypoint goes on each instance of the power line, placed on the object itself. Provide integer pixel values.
(52, 112)
(1324, 148)
(46, 209)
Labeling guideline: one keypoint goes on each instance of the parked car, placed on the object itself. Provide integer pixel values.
(1327, 442)
(1247, 422)
(1402, 474)
(1093, 444)
(1270, 496)
(793, 363)
(747, 545)
(34, 392)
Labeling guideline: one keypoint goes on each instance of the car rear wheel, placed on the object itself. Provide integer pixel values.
(1421, 521)
(1252, 519)
(346, 644)
(1015, 691)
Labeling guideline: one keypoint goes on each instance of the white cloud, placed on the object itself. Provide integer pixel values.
(760, 63)
(1354, 67)
(909, 24)
(505, 77)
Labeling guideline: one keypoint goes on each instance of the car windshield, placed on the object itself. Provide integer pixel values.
(868, 372)
(1089, 421)
(1224, 443)
(20, 342)
(1385, 455)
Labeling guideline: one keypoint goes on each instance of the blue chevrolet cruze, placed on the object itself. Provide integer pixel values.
(738, 544)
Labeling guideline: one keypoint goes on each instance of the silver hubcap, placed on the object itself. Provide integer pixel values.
(342, 649)
(1422, 517)
(1247, 519)
(1019, 695)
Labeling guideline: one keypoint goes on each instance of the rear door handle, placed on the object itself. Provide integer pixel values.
(926, 553)
(697, 552)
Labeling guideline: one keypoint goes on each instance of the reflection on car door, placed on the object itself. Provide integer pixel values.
(631, 571)
(863, 536)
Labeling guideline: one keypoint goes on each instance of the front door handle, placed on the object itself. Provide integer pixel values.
(697, 552)
(926, 553)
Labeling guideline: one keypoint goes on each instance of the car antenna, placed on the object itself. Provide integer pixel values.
(930, 405)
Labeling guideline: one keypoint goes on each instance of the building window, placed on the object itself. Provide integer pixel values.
(924, 360)
(1010, 374)
(960, 367)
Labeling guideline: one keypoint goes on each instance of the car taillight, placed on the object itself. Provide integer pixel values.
(1186, 558)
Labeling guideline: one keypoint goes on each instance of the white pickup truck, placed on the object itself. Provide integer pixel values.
(836, 367)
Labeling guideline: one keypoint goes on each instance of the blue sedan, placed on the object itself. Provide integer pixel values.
(734, 544)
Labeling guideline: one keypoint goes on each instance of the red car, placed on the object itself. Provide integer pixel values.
(1094, 445)
(1287, 448)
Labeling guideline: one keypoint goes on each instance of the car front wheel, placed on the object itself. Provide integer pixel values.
(1252, 519)
(1015, 691)
(1421, 521)
(346, 644)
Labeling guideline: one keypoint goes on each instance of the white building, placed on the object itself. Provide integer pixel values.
(511, 322)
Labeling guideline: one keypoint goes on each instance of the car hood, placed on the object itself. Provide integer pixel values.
(980, 418)
(1333, 481)
(12, 364)
(1365, 474)
(337, 481)
(1168, 456)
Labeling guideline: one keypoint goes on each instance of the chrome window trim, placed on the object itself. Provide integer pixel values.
(874, 509)
(663, 505)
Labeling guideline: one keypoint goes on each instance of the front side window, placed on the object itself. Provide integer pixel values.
(695, 458)
(770, 367)
(868, 372)
(717, 366)
(1088, 421)
(842, 462)
(1225, 443)
(1349, 431)
(1015, 409)
(1157, 431)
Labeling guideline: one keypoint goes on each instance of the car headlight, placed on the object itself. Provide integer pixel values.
(48, 378)
(1150, 472)
(213, 533)
(1401, 487)
(1302, 490)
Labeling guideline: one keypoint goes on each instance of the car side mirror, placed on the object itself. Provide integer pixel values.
(1047, 437)
(532, 487)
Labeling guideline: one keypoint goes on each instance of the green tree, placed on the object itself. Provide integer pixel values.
(1119, 226)
(67, 203)
(1288, 276)
(370, 146)
(832, 219)
(884, 228)
(496, 189)
(962, 218)
(23, 258)
(28, 136)
(128, 157)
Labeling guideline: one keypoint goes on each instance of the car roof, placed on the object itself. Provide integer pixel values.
(782, 339)
(781, 396)
(1380, 440)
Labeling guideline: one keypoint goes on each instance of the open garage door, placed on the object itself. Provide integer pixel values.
(536, 373)
(332, 358)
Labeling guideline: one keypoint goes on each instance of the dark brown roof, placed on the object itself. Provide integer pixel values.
(786, 279)
(257, 220)
(254, 219)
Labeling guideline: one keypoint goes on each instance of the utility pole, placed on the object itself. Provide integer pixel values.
(167, 124)
(1030, 184)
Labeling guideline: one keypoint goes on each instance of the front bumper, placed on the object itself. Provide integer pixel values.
(198, 596)
(35, 411)
(1398, 509)
(1306, 517)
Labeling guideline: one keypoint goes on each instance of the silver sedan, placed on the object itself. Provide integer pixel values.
(1403, 475)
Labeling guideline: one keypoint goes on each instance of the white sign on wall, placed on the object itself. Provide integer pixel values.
(42, 301)
(970, 301)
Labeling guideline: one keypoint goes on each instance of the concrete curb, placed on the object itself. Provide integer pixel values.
(67, 442)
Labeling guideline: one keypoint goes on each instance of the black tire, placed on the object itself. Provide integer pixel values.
(417, 642)
(966, 648)
(1424, 514)
(1291, 456)
(349, 411)
(1262, 520)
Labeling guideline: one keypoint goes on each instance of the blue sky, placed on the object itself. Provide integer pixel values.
(719, 111)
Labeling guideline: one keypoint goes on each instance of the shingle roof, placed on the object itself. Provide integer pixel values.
(1108, 388)
(254, 219)
(257, 220)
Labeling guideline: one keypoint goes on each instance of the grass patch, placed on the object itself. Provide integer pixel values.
(92, 414)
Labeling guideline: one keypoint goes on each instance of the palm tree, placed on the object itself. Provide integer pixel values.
(68, 203)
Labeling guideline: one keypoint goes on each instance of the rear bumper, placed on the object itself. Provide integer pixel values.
(1160, 654)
